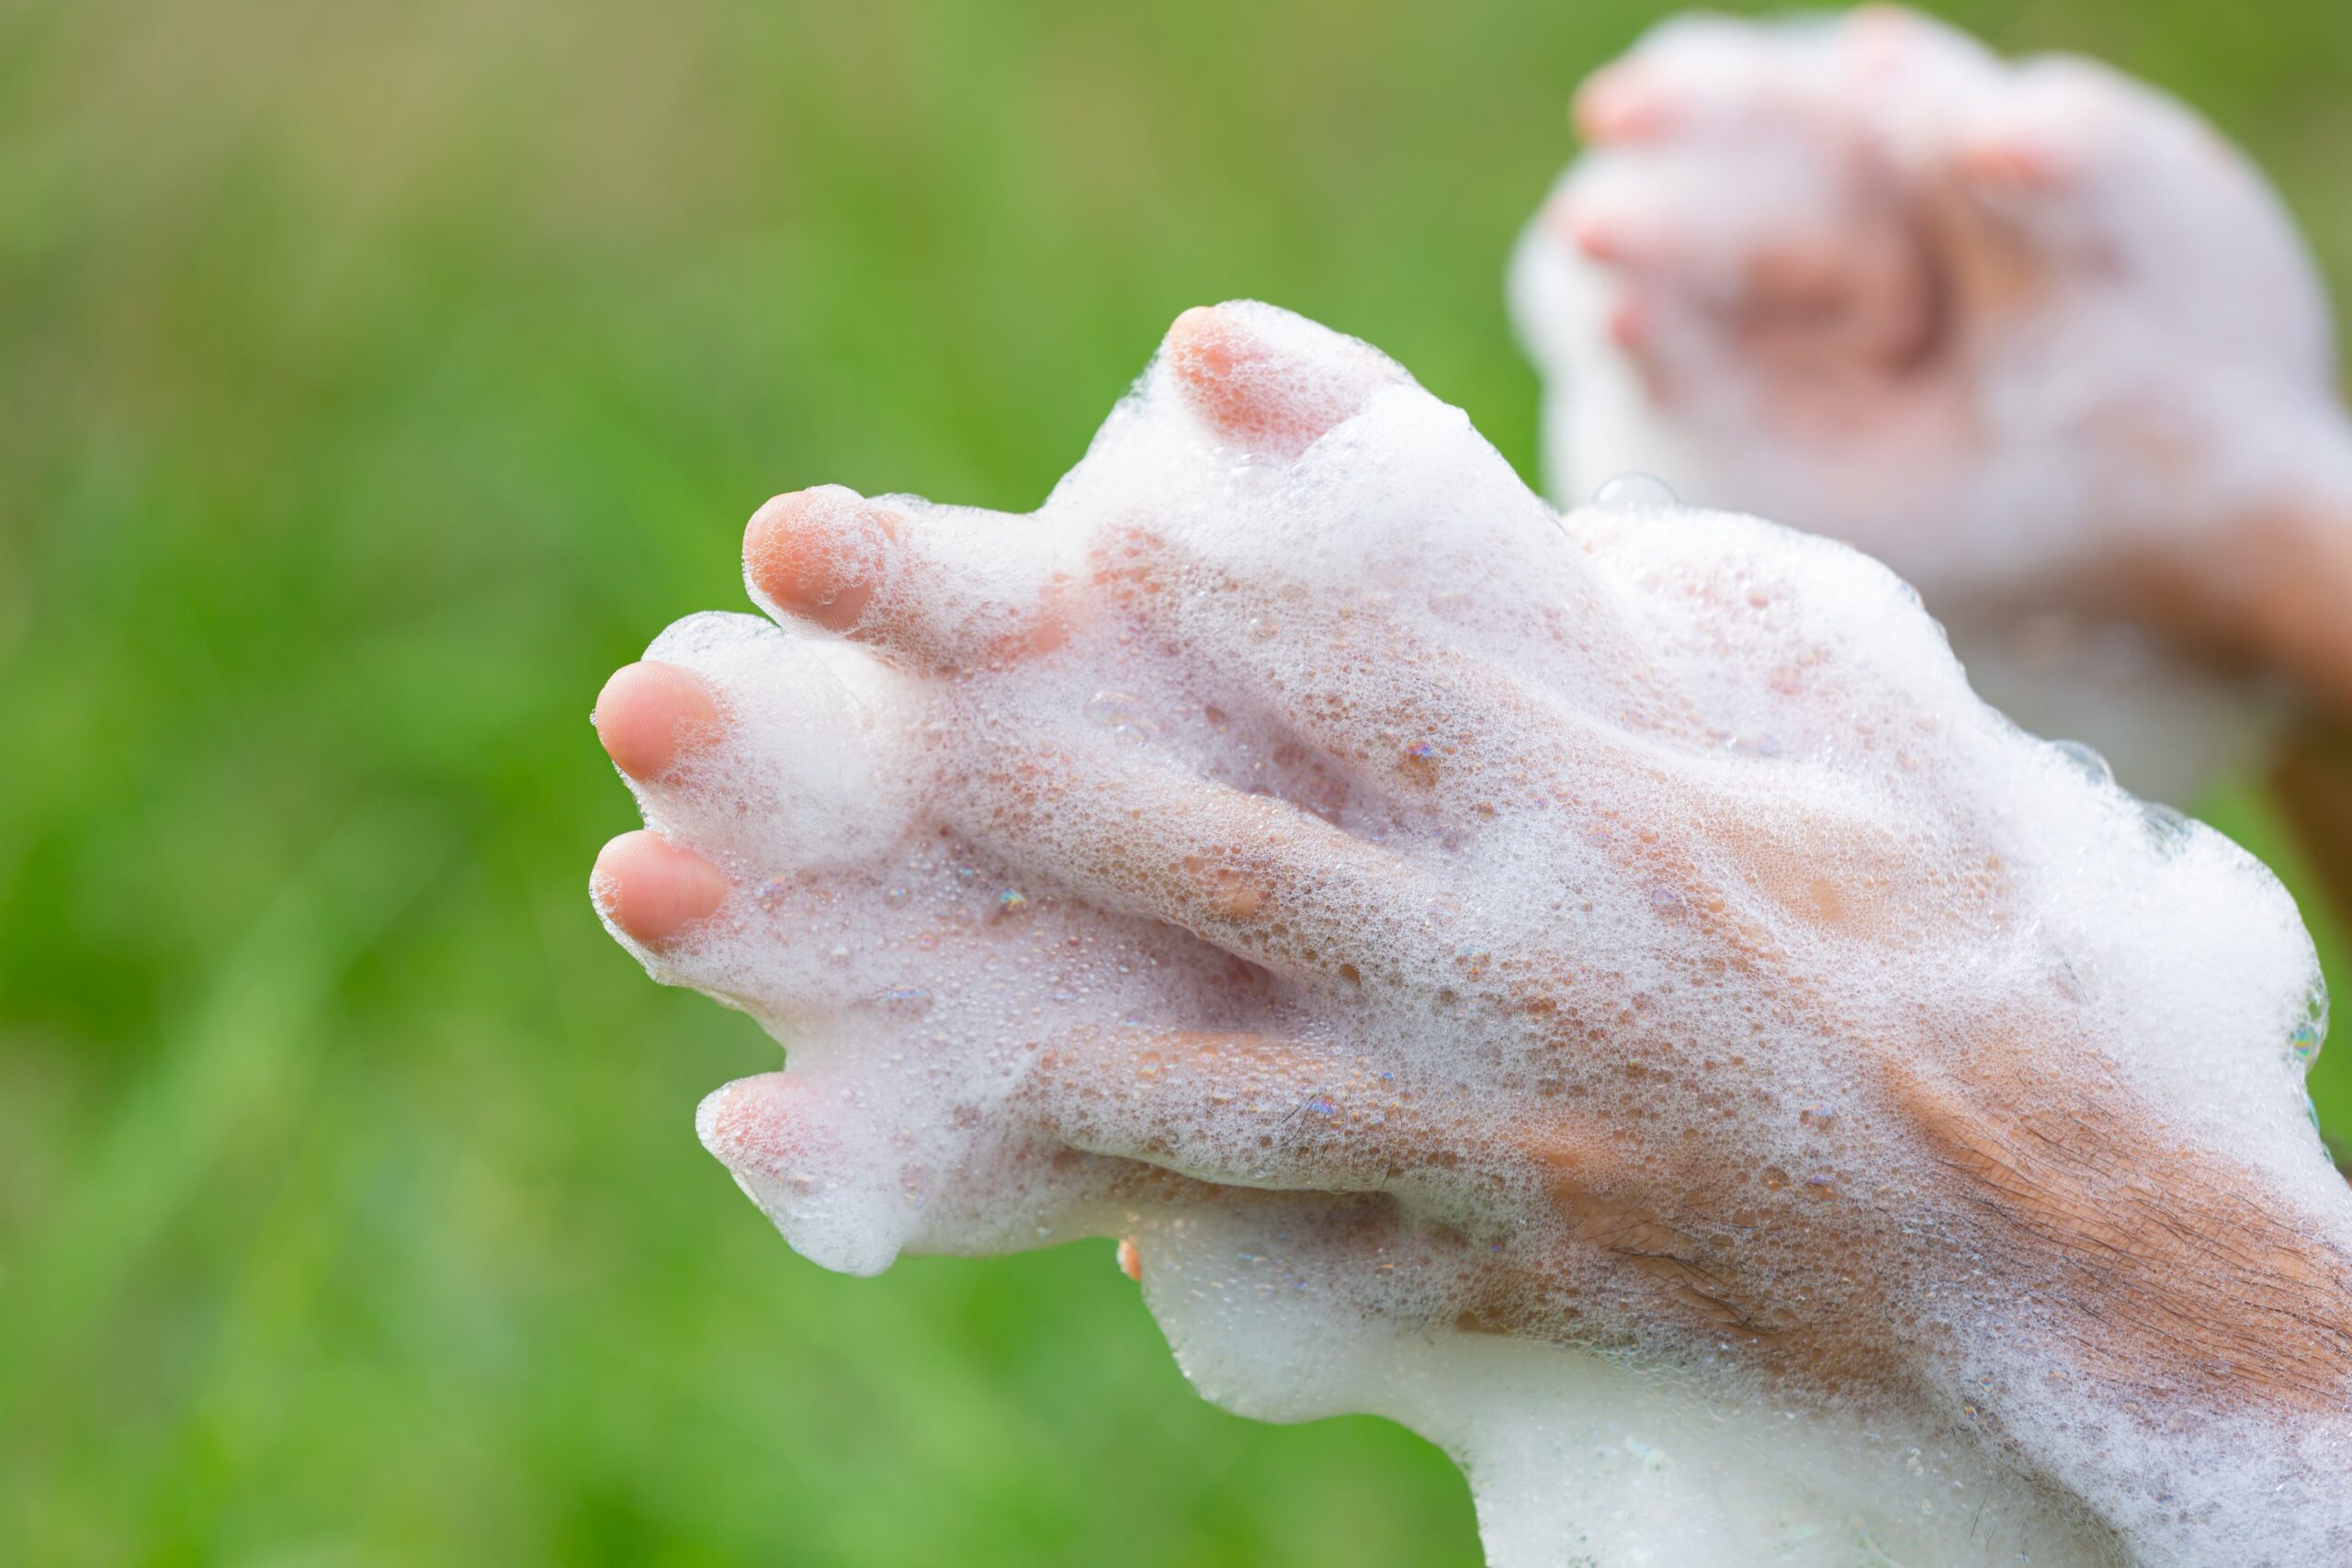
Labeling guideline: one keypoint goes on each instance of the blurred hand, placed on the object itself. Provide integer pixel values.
(2032, 334)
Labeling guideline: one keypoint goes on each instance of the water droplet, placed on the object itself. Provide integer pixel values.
(1321, 1105)
(2085, 761)
(908, 1001)
(2167, 828)
(1011, 901)
(1121, 716)
(2311, 1029)
(770, 895)
(1635, 492)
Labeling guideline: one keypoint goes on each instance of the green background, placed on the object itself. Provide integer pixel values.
(373, 378)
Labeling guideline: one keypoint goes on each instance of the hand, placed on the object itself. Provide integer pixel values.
(2032, 334)
(1627, 935)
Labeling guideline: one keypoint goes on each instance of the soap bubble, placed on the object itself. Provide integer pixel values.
(1634, 492)
(2085, 759)
(2310, 1030)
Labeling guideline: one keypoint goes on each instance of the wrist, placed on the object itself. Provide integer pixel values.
(2179, 1285)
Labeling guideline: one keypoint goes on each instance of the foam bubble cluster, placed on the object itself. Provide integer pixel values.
(1561, 982)
(2030, 332)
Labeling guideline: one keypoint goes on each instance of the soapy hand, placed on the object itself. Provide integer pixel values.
(2030, 333)
(1417, 921)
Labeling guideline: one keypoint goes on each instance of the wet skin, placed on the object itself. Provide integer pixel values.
(2178, 1278)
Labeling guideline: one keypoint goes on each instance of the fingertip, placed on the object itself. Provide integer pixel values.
(1885, 26)
(653, 889)
(1279, 392)
(1205, 347)
(746, 1121)
(1596, 239)
(2009, 160)
(651, 713)
(1598, 222)
(1200, 328)
(1630, 327)
(1618, 104)
(816, 554)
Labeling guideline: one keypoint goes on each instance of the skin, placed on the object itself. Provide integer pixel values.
(2175, 1275)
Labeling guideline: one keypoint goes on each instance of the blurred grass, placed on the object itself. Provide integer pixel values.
(373, 378)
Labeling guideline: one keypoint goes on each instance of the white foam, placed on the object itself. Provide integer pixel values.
(1712, 792)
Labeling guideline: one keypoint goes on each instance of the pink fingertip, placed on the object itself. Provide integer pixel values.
(653, 890)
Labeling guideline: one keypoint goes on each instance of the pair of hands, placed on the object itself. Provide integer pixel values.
(1625, 932)
(1615, 934)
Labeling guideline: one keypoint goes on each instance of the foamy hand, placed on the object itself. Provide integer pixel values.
(1590, 989)
(2030, 334)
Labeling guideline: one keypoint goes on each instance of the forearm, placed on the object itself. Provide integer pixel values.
(2275, 589)
(2298, 617)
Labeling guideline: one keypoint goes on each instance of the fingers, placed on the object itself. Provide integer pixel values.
(820, 554)
(1758, 199)
(1694, 72)
(1403, 714)
(649, 714)
(947, 588)
(1479, 751)
(933, 587)
(1285, 1116)
(1256, 877)
(1238, 1110)
(1268, 380)
(769, 749)
(1624, 102)
(942, 589)
(1069, 1156)
(653, 891)
(1611, 212)
(851, 1187)
(1792, 254)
